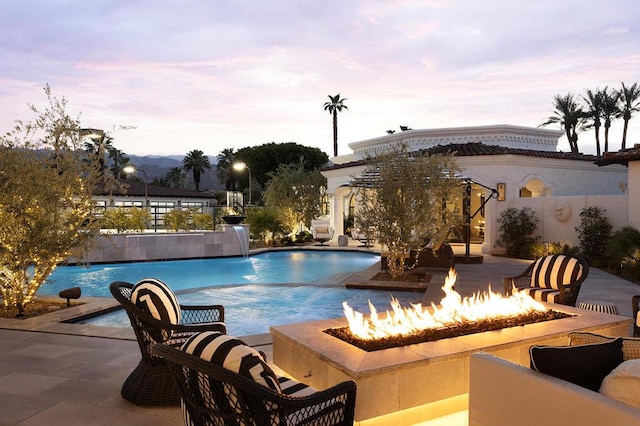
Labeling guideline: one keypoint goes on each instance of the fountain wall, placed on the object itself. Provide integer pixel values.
(132, 247)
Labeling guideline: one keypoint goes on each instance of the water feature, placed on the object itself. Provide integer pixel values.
(242, 237)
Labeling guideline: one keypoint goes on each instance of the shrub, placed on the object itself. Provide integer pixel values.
(555, 247)
(264, 224)
(594, 234)
(202, 220)
(176, 220)
(624, 251)
(516, 229)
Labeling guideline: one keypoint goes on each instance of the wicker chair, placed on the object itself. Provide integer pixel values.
(555, 278)
(150, 383)
(213, 395)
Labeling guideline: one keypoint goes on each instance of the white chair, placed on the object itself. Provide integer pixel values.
(321, 230)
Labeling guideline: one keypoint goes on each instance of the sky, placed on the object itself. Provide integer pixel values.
(216, 74)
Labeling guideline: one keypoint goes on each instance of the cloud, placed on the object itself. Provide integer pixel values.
(212, 75)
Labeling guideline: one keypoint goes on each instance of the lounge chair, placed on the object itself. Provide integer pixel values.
(236, 387)
(321, 230)
(363, 235)
(555, 278)
(156, 317)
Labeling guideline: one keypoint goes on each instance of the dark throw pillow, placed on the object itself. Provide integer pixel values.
(583, 365)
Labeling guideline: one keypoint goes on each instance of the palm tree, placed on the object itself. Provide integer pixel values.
(593, 114)
(610, 110)
(98, 147)
(568, 113)
(119, 161)
(630, 102)
(175, 177)
(223, 169)
(334, 106)
(197, 162)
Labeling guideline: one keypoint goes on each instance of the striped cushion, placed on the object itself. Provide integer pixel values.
(542, 294)
(554, 271)
(232, 354)
(291, 387)
(156, 298)
(630, 345)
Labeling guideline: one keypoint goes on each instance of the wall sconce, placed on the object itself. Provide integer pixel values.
(501, 188)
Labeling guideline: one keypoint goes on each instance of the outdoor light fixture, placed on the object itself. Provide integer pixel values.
(240, 167)
(131, 169)
(92, 133)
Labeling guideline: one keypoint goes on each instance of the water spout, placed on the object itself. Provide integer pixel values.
(242, 238)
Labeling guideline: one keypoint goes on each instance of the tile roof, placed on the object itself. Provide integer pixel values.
(136, 188)
(621, 157)
(479, 149)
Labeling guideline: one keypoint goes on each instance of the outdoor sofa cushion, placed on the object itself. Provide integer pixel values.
(583, 365)
(623, 383)
(551, 272)
(630, 345)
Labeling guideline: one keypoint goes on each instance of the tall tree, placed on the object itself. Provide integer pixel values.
(265, 159)
(47, 212)
(402, 195)
(223, 168)
(629, 103)
(99, 146)
(295, 194)
(197, 162)
(175, 177)
(334, 106)
(118, 161)
(568, 114)
(593, 114)
(610, 110)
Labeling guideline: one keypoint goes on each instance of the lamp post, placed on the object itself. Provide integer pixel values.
(242, 166)
(130, 169)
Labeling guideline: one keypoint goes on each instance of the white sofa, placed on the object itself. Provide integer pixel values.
(504, 393)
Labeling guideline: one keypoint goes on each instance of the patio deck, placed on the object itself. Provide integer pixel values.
(64, 374)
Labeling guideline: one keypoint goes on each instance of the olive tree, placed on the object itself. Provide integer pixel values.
(295, 194)
(46, 207)
(410, 198)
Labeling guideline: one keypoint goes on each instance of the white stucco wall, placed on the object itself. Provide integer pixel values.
(551, 228)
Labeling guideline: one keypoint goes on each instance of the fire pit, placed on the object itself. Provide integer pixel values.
(419, 380)
(456, 316)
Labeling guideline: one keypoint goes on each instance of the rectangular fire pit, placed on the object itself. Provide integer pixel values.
(410, 377)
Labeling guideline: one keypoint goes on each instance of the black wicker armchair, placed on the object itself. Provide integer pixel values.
(213, 395)
(150, 383)
(555, 278)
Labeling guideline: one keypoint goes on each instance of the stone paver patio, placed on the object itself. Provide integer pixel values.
(67, 374)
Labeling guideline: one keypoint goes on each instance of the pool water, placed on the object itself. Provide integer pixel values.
(277, 267)
(257, 292)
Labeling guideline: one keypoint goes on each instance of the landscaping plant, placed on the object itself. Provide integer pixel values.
(516, 231)
(594, 234)
(410, 198)
(46, 206)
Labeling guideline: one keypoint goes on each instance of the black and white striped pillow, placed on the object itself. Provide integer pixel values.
(234, 355)
(555, 270)
(156, 298)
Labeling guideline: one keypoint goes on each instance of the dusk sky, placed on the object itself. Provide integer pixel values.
(215, 74)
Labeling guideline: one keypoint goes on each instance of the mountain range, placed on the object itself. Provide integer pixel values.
(157, 166)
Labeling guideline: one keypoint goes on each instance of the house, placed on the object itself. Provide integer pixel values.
(629, 158)
(160, 200)
(521, 163)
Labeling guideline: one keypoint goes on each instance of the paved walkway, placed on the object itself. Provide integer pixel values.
(60, 374)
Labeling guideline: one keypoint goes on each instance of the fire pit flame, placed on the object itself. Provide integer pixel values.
(453, 310)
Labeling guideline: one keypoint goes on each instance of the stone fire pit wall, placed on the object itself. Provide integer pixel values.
(426, 380)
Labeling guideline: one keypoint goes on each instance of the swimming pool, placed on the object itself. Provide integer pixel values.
(275, 267)
(267, 289)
